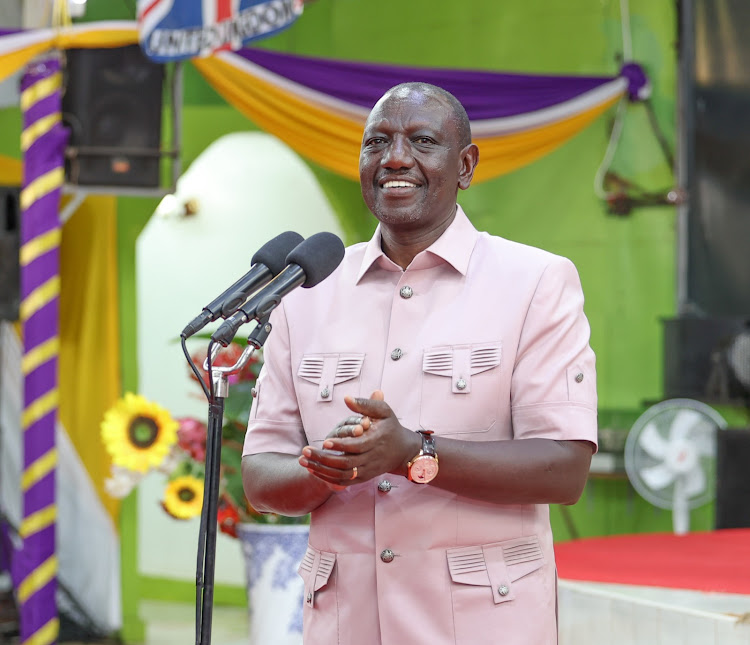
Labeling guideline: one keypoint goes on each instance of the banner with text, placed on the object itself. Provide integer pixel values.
(172, 30)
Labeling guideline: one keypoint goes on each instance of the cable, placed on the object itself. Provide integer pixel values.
(614, 139)
(663, 143)
(211, 448)
(209, 362)
(617, 126)
(197, 373)
(627, 39)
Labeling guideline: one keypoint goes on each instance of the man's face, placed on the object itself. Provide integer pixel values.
(411, 163)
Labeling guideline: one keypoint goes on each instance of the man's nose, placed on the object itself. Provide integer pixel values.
(398, 154)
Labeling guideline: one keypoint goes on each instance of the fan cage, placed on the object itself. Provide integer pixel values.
(636, 458)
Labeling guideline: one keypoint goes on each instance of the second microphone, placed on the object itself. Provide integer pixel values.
(308, 264)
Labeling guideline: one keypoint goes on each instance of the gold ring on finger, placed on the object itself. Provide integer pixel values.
(354, 473)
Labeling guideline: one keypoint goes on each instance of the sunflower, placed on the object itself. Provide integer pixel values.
(137, 433)
(183, 497)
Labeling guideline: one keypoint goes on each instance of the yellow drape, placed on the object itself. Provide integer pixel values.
(89, 369)
(13, 61)
(330, 140)
(11, 171)
(501, 155)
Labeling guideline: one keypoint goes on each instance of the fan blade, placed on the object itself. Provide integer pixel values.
(695, 481)
(683, 423)
(652, 442)
(657, 477)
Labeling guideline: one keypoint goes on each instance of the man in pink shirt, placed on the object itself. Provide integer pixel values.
(426, 403)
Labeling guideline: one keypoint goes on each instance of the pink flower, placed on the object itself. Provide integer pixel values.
(191, 436)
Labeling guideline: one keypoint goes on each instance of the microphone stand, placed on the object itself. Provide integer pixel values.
(204, 579)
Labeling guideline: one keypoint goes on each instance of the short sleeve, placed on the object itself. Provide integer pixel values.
(275, 424)
(553, 389)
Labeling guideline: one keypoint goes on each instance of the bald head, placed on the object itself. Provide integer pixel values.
(458, 113)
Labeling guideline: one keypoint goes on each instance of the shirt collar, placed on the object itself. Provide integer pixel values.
(454, 246)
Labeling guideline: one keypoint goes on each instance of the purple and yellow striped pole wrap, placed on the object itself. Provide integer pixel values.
(43, 144)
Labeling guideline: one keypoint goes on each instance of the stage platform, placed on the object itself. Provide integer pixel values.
(656, 589)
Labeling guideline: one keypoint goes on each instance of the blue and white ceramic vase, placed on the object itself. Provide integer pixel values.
(272, 555)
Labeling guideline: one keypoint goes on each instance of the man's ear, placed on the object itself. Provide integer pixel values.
(469, 159)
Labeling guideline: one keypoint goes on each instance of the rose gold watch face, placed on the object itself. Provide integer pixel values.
(424, 469)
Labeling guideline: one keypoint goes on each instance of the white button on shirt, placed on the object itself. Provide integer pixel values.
(492, 349)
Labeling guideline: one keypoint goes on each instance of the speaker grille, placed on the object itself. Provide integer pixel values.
(113, 106)
(733, 482)
(696, 359)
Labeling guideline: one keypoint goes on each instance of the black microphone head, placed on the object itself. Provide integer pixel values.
(273, 253)
(318, 255)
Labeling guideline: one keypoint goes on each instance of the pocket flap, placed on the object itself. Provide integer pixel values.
(496, 565)
(345, 367)
(439, 360)
(327, 370)
(315, 570)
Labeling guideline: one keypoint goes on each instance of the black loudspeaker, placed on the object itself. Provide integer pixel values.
(10, 276)
(112, 104)
(695, 359)
(732, 478)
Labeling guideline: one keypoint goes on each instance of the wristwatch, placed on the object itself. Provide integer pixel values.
(423, 468)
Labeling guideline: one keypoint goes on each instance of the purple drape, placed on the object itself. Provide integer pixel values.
(485, 95)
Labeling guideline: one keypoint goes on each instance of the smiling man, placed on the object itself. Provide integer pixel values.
(426, 403)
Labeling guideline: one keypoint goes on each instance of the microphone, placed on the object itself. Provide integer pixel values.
(308, 264)
(267, 263)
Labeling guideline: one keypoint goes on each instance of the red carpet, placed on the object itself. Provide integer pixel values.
(712, 561)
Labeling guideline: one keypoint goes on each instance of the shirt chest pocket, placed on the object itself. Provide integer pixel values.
(324, 381)
(460, 388)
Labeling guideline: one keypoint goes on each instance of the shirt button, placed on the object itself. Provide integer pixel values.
(460, 384)
(253, 392)
(396, 354)
(325, 393)
(384, 486)
(386, 555)
(406, 292)
(503, 590)
(309, 597)
(579, 377)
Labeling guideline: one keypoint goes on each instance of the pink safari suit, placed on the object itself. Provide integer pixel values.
(479, 339)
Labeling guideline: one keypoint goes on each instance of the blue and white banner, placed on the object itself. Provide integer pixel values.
(178, 29)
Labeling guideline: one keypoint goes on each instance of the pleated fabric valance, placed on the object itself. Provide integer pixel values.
(318, 106)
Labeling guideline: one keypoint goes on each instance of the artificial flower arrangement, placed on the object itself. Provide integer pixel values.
(141, 437)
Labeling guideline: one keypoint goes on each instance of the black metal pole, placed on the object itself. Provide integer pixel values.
(205, 582)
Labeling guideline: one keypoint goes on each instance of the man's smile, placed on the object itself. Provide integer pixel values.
(399, 187)
(400, 184)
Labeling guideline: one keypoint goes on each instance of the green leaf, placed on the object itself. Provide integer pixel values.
(231, 458)
(237, 404)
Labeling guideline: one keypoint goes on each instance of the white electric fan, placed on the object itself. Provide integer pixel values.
(670, 456)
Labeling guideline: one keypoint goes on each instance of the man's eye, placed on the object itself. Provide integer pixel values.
(375, 141)
(424, 140)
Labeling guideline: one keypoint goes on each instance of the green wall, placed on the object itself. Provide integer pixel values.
(626, 264)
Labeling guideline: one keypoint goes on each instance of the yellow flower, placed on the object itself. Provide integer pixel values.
(183, 497)
(138, 433)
